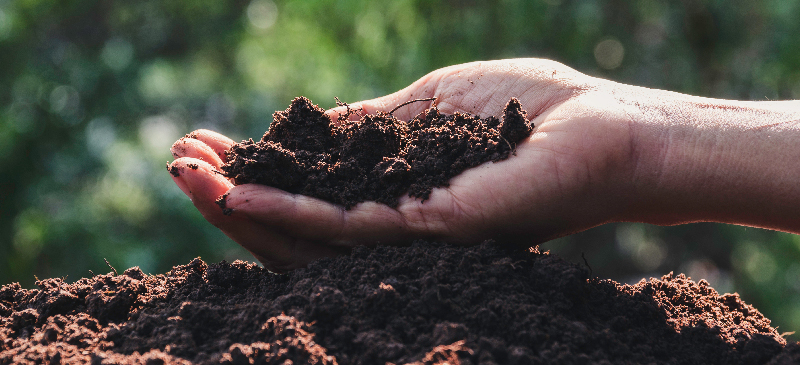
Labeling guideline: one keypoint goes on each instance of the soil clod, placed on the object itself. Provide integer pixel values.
(221, 202)
(173, 170)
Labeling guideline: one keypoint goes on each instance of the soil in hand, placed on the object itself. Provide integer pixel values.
(377, 158)
(424, 304)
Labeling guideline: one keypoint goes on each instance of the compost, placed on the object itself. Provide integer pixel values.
(427, 303)
(377, 158)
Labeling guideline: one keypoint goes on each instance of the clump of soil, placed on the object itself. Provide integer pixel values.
(424, 304)
(378, 158)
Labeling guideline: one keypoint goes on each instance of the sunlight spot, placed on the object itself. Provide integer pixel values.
(262, 14)
(157, 133)
(117, 54)
(609, 53)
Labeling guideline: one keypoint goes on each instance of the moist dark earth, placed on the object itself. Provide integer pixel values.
(377, 158)
(427, 303)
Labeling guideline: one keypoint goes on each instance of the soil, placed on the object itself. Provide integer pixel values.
(427, 303)
(377, 158)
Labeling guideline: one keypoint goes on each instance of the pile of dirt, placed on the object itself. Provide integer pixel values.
(377, 158)
(425, 304)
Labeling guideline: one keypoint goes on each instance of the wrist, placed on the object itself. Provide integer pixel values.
(700, 159)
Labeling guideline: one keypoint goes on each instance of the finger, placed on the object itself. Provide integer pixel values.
(421, 89)
(309, 218)
(205, 187)
(275, 250)
(194, 148)
(219, 144)
(203, 184)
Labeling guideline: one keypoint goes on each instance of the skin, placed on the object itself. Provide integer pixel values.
(601, 152)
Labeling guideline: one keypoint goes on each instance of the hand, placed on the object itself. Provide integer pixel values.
(571, 174)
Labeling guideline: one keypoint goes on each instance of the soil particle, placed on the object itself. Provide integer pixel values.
(173, 170)
(221, 201)
(424, 304)
(377, 158)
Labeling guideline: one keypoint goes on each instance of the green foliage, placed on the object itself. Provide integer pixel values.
(93, 93)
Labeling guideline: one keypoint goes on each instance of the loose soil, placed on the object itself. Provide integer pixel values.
(428, 303)
(377, 158)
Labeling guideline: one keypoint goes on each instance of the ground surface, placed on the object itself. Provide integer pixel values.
(377, 158)
(427, 303)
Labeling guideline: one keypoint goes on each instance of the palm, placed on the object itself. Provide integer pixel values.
(548, 189)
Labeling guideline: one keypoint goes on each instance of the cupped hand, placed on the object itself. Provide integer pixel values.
(571, 174)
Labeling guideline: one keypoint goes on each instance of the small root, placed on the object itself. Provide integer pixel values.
(411, 101)
(513, 149)
(586, 262)
(346, 116)
(112, 268)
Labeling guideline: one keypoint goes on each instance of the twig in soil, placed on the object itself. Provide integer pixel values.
(587, 264)
(513, 150)
(109, 265)
(411, 101)
(91, 272)
(344, 117)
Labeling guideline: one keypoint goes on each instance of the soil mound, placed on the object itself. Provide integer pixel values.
(378, 158)
(424, 304)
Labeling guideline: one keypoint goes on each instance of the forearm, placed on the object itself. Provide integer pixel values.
(699, 159)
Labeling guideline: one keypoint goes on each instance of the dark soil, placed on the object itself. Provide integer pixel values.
(378, 158)
(424, 304)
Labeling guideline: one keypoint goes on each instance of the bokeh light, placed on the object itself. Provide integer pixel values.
(262, 14)
(609, 53)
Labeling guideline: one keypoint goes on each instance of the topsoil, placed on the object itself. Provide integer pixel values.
(427, 303)
(377, 158)
(424, 304)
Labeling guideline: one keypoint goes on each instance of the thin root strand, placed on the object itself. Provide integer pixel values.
(411, 101)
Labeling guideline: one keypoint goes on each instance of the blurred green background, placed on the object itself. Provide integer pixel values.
(93, 93)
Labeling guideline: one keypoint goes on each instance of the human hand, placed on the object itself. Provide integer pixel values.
(568, 176)
(600, 152)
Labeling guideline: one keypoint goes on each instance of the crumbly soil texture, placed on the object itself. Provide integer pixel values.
(377, 158)
(427, 303)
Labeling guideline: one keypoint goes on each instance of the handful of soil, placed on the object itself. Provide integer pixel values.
(377, 158)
